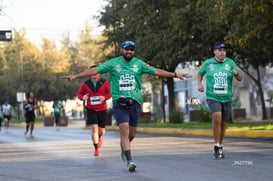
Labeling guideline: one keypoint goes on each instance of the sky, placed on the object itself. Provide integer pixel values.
(51, 18)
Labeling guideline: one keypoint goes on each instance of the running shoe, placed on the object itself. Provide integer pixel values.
(221, 153)
(25, 133)
(100, 142)
(122, 154)
(31, 135)
(131, 165)
(216, 154)
(97, 152)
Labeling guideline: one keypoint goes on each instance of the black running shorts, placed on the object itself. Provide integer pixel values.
(96, 117)
(30, 117)
(8, 117)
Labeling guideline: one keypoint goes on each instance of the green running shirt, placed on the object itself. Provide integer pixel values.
(1, 113)
(125, 77)
(218, 79)
(57, 108)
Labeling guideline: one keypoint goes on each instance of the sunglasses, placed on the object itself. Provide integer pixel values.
(129, 48)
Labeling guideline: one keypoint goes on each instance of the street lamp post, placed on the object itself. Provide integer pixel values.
(21, 96)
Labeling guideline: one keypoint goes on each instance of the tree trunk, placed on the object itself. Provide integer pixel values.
(258, 83)
(261, 94)
(163, 102)
(170, 85)
(157, 104)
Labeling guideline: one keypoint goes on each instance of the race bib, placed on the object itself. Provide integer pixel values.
(127, 82)
(220, 84)
(29, 107)
(220, 89)
(95, 100)
(57, 109)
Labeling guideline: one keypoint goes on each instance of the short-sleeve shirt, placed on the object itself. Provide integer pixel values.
(57, 108)
(125, 77)
(218, 78)
(1, 113)
(6, 109)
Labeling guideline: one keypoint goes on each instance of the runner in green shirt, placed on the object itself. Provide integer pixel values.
(125, 82)
(57, 107)
(219, 71)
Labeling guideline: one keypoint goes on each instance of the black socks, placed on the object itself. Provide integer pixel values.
(131, 138)
(128, 155)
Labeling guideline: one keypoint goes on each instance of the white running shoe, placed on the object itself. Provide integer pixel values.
(131, 165)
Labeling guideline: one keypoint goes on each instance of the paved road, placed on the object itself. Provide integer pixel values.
(67, 155)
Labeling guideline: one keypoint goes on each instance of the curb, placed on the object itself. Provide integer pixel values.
(24, 125)
(250, 133)
(70, 125)
(200, 132)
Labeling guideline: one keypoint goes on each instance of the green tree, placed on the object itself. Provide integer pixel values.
(70, 49)
(24, 68)
(90, 48)
(17, 57)
(169, 32)
(112, 18)
(251, 24)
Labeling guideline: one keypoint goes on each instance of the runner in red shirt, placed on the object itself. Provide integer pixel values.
(95, 91)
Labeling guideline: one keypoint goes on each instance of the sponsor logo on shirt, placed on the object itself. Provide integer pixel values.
(135, 69)
(118, 68)
(227, 67)
(211, 67)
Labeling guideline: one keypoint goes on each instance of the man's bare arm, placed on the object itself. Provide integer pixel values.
(164, 73)
(86, 73)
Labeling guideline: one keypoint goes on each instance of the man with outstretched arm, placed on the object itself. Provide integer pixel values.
(125, 82)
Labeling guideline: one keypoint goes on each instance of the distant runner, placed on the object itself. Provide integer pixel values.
(7, 108)
(30, 105)
(95, 91)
